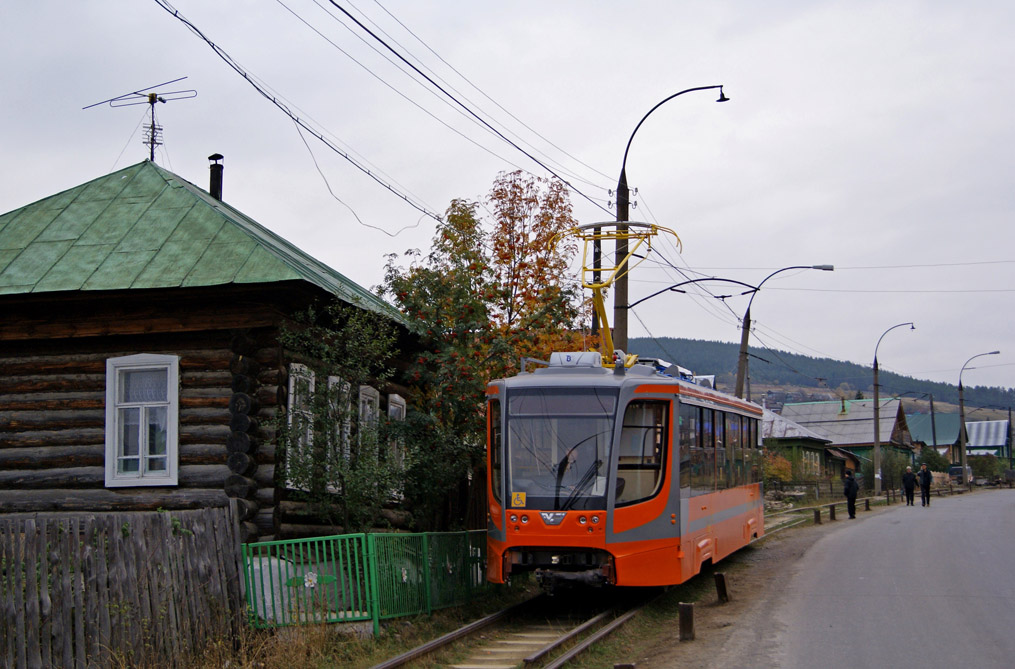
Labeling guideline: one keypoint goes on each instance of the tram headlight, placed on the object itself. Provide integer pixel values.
(595, 520)
(525, 519)
(514, 518)
(582, 520)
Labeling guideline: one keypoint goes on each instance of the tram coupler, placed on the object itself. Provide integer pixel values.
(550, 581)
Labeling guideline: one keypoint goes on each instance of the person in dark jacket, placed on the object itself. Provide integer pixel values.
(909, 485)
(925, 478)
(850, 489)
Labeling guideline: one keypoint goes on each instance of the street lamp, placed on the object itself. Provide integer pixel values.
(877, 411)
(623, 203)
(746, 325)
(962, 417)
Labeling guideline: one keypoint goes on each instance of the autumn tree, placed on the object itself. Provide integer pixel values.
(485, 295)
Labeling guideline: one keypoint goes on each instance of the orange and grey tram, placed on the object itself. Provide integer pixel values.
(629, 476)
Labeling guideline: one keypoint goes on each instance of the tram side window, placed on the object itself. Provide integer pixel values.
(687, 434)
(734, 449)
(703, 456)
(721, 443)
(745, 443)
(752, 456)
(494, 445)
(642, 452)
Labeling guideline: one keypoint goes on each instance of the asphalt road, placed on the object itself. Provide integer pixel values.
(910, 587)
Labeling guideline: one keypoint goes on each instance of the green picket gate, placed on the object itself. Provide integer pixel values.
(360, 577)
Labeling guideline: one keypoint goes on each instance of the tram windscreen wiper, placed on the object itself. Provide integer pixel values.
(583, 483)
(562, 468)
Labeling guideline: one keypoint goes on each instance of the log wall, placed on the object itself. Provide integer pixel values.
(52, 425)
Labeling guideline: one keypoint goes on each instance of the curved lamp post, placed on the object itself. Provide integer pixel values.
(962, 417)
(623, 204)
(877, 411)
(746, 325)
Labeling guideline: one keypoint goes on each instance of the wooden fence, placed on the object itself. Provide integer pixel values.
(130, 589)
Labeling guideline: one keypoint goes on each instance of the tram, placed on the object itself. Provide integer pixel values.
(609, 470)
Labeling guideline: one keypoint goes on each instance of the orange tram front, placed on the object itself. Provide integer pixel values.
(626, 476)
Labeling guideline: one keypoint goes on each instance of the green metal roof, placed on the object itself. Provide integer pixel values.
(145, 227)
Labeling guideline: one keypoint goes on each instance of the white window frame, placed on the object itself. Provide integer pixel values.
(397, 408)
(115, 367)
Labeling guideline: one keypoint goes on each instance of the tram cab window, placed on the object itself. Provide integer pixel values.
(642, 450)
(494, 445)
(556, 447)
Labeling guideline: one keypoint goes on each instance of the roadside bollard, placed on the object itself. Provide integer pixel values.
(686, 617)
(720, 588)
(831, 512)
(817, 516)
(867, 504)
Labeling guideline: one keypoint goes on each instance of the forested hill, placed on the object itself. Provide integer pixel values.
(779, 368)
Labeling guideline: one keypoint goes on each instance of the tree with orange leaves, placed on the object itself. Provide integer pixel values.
(484, 297)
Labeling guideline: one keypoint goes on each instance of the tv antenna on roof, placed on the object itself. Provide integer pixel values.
(153, 134)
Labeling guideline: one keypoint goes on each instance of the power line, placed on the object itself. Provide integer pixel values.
(497, 104)
(390, 86)
(463, 106)
(275, 100)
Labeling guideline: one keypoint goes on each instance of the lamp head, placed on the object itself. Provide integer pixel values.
(722, 96)
(824, 268)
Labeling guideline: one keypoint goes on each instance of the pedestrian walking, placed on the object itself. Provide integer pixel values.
(850, 489)
(909, 485)
(925, 478)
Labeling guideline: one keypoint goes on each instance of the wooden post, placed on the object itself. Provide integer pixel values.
(686, 617)
(831, 512)
(817, 516)
(867, 504)
(720, 587)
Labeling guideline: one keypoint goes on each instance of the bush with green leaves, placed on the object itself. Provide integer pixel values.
(344, 465)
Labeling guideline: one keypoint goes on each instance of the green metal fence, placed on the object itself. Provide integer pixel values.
(360, 577)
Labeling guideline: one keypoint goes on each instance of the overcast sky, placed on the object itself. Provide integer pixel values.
(875, 136)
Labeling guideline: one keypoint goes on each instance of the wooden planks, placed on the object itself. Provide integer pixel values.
(118, 588)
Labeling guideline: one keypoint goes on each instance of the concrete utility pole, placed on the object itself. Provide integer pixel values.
(745, 327)
(620, 291)
(962, 417)
(877, 412)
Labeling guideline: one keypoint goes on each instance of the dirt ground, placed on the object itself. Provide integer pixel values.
(740, 633)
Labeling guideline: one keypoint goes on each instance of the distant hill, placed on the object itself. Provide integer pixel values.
(822, 377)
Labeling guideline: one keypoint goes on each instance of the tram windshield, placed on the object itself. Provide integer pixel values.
(558, 446)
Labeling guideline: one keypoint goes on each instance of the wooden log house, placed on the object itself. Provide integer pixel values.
(139, 308)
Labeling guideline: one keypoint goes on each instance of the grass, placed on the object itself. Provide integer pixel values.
(327, 646)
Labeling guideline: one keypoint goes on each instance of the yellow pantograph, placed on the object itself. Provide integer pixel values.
(597, 276)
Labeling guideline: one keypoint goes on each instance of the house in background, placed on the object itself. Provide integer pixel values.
(849, 425)
(942, 435)
(807, 451)
(989, 437)
(140, 363)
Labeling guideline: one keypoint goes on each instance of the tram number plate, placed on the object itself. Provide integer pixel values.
(518, 499)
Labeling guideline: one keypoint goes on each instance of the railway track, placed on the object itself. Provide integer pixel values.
(542, 632)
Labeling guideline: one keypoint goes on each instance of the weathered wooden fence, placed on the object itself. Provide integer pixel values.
(93, 590)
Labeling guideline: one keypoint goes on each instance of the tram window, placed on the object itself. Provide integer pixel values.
(494, 445)
(721, 442)
(756, 463)
(703, 457)
(642, 450)
(734, 449)
(687, 435)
